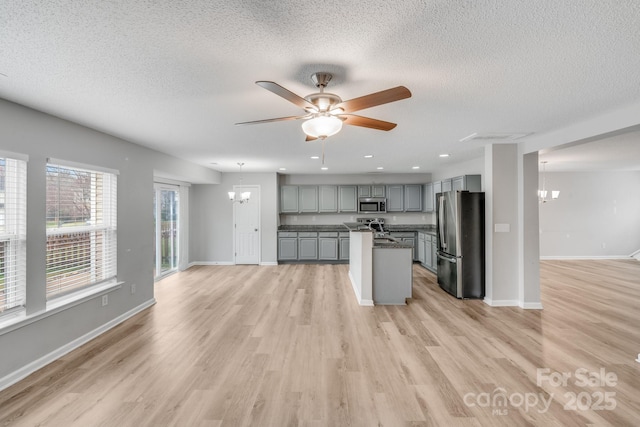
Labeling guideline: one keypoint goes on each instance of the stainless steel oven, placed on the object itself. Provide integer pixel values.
(372, 205)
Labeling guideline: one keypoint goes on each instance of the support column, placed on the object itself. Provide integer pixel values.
(512, 240)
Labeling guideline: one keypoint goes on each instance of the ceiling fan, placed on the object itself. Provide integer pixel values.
(327, 112)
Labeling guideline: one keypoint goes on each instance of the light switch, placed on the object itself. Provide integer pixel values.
(502, 228)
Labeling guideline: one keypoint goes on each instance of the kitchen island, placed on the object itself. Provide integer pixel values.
(380, 267)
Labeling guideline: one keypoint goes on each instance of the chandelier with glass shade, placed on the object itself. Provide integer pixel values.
(543, 195)
(244, 196)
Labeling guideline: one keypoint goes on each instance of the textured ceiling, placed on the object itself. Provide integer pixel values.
(176, 75)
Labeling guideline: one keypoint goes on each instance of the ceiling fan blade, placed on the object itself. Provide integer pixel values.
(310, 138)
(366, 122)
(278, 119)
(373, 99)
(287, 94)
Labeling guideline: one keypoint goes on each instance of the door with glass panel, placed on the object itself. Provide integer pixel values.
(166, 220)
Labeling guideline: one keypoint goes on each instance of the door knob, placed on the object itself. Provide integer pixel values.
(255, 229)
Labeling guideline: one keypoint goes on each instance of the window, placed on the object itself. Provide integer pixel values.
(13, 235)
(81, 227)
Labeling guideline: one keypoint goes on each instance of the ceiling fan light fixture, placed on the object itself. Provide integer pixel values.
(322, 126)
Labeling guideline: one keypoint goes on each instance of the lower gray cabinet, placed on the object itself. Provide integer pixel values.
(407, 237)
(307, 245)
(328, 245)
(288, 246)
(344, 246)
(421, 247)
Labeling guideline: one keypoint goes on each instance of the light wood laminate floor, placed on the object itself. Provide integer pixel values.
(288, 346)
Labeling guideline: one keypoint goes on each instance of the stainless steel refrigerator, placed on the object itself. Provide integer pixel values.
(460, 233)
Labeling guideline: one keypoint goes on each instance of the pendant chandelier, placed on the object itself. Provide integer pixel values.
(244, 195)
(543, 195)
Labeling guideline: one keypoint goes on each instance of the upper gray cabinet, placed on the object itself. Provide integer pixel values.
(377, 190)
(395, 198)
(413, 198)
(348, 198)
(289, 199)
(308, 198)
(466, 183)
(297, 199)
(459, 183)
(328, 198)
(364, 191)
(446, 185)
(427, 197)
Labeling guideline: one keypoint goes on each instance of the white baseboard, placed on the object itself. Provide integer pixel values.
(502, 303)
(362, 302)
(584, 257)
(30, 368)
(531, 305)
(192, 264)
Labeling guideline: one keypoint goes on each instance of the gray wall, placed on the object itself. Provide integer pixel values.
(597, 215)
(211, 219)
(40, 136)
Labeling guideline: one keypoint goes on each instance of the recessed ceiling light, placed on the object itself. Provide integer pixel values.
(282, 169)
(368, 156)
(415, 167)
(444, 155)
(315, 157)
(380, 168)
(324, 168)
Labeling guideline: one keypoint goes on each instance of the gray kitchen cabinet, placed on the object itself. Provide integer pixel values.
(446, 185)
(428, 256)
(437, 188)
(328, 245)
(328, 198)
(427, 197)
(287, 246)
(413, 198)
(466, 182)
(348, 198)
(344, 245)
(307, 246)
(395, 198)
(364, 191)
(421, 248)
(308, 198)
(378, 191)
(289, 199)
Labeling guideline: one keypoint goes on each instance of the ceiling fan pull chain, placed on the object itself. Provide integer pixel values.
(323, 139)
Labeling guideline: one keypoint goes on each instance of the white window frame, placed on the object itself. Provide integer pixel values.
(98, 274)
(13, 232)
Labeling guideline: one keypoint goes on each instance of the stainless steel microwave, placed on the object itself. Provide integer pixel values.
(372, 205)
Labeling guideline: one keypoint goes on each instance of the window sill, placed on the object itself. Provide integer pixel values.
(21, 319)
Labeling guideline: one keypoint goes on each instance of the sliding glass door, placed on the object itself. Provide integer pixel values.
(166, 217)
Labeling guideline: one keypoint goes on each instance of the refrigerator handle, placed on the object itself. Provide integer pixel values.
(447, 258)
(443, 244)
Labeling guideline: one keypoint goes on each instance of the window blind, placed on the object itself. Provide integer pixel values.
(81, 228)
(13, 233)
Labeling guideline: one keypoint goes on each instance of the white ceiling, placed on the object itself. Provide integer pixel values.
(176, 75)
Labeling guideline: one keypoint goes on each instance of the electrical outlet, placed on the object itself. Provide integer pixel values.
(133, 288)
(105, 300)
(604, 245)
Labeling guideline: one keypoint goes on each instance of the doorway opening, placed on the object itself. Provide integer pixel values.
(167, 228)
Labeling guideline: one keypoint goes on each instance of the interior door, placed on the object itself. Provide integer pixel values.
(246, 218)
